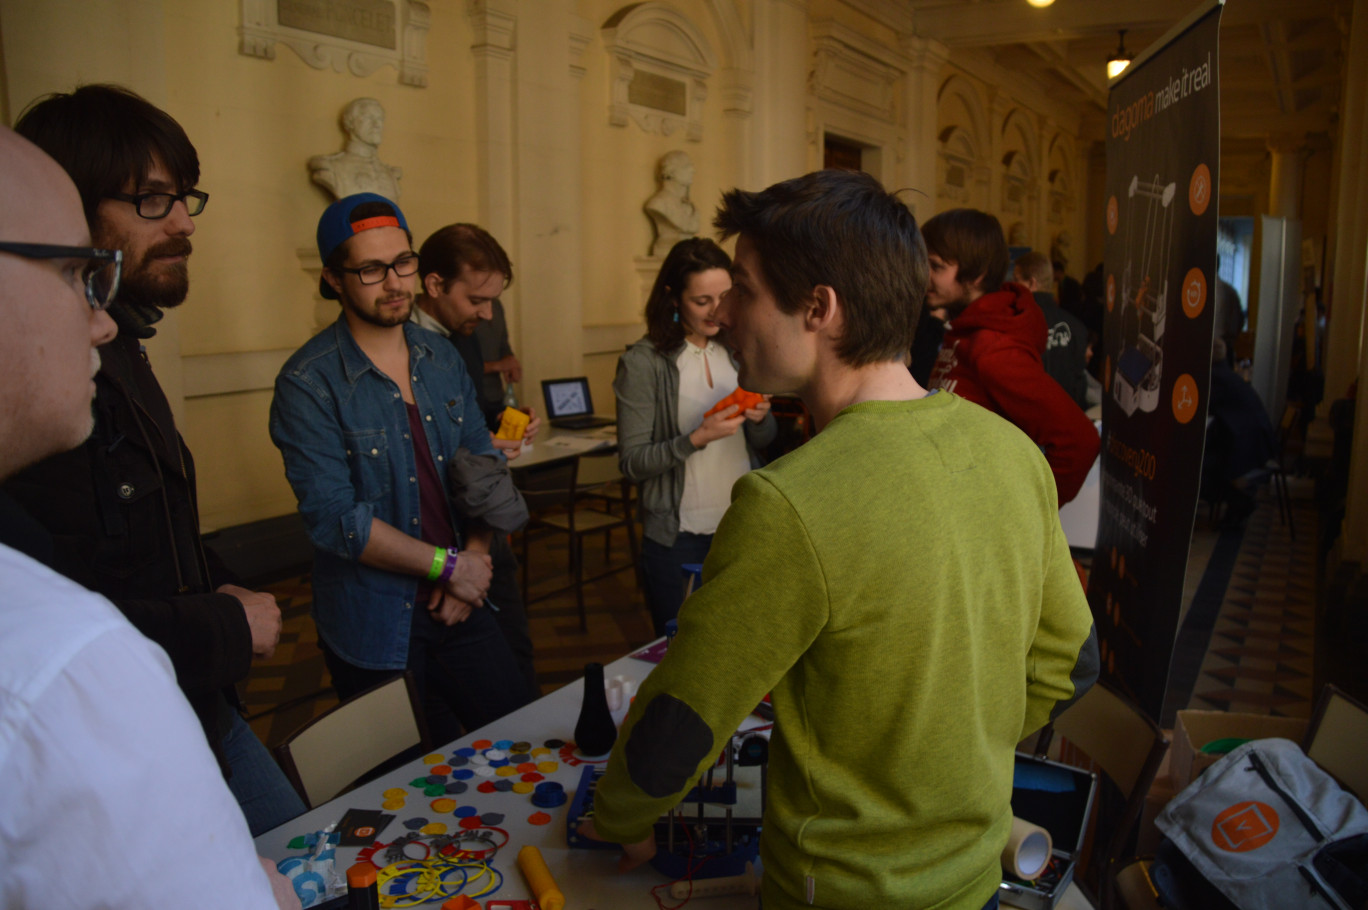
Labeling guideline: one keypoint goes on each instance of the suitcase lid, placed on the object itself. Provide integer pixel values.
(1055, 796)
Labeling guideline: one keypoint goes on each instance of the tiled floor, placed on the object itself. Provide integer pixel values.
(1260, 657)
(1246, 642)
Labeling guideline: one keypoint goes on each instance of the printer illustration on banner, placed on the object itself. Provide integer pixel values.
(1144, 296)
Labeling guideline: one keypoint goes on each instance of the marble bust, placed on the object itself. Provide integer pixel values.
(357, 168)
(670, 210)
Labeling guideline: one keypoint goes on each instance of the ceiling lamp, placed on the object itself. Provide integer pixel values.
(1118, 61)
(1040, 4)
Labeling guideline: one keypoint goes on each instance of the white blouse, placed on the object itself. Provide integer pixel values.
(710, 472)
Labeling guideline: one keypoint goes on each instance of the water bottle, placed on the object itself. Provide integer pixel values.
(510, 398)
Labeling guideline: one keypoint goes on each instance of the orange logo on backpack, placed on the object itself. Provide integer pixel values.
(1244, 827)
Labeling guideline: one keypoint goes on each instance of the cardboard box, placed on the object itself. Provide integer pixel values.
(1160, 792)
(1194, 729)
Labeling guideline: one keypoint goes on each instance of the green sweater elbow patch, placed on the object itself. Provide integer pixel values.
(666, 746)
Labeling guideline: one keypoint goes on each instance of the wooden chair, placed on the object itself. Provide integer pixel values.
(553, 503)
(1134, 888)
(354, 740)
(1337, 740)
(1127, 748)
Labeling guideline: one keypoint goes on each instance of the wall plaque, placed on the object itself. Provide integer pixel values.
(354, 36)
(660, 65)
(660, 92)
(366, 21)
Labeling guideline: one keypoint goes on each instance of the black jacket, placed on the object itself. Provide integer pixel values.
(1066, 348)
(124, 522)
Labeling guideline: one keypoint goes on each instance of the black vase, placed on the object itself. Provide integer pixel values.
(595, 731)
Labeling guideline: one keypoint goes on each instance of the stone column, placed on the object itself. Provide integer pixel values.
(737, 108)
(493, 22)
(527, 69)
(998, 108)
(920, 112)
(1285, 187)
(1346, 356)
(779, 121)
(1043, 229)
(1347, 300)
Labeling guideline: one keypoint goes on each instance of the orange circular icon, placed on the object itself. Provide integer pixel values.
(1194, 293)
(1111, 292)
(1184, 398)
(1244, 827)
(1200, 190)
(1113, 215)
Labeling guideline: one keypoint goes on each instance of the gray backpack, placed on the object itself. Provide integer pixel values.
(1269, 829)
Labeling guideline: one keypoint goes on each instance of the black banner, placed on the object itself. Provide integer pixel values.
(1163, 160)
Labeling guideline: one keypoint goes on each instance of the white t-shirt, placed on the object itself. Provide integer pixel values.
(710, 472)
(111, 797)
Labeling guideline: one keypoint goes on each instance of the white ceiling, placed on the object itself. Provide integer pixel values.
(1281, 65)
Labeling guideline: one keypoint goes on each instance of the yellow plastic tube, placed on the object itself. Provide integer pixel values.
(539, 879)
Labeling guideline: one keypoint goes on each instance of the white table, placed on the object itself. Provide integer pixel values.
(588, 878)
(559, 444)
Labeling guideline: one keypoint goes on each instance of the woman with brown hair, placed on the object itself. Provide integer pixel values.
(684, 459)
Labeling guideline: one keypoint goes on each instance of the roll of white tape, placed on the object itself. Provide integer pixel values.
(1028, 850)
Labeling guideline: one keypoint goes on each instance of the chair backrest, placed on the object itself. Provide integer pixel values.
(1135, 888)
(1128, 748)
(338, 748)
(1115, 734)
(1337, 740)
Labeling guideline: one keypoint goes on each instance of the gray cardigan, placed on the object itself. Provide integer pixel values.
(651, 448)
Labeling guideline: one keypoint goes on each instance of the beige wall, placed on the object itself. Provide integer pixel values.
(512, 130)
(255, 123)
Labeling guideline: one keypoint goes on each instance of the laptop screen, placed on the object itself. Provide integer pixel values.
(567, 397)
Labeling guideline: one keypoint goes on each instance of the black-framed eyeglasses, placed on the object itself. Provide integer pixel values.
(374, 273)
(154, 206)
(100, 274)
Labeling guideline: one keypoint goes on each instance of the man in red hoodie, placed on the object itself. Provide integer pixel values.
(992, 351)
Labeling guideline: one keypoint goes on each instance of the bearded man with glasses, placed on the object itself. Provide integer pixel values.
(369, 415)
(120, 512)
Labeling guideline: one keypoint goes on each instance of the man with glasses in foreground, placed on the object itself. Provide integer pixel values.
(368, 415)
(92, 728)
(120, 510)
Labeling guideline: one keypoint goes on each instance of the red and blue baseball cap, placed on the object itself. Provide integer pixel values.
(348, 217)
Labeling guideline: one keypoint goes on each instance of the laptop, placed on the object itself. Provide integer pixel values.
(569, 405)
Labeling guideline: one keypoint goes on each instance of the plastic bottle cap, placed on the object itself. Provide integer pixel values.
(361, 875)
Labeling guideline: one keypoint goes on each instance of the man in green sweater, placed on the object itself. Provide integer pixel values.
(900, 584)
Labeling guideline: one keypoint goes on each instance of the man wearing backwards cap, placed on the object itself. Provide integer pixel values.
(368, 415)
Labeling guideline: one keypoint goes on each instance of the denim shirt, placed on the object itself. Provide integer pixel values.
(343, 430)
